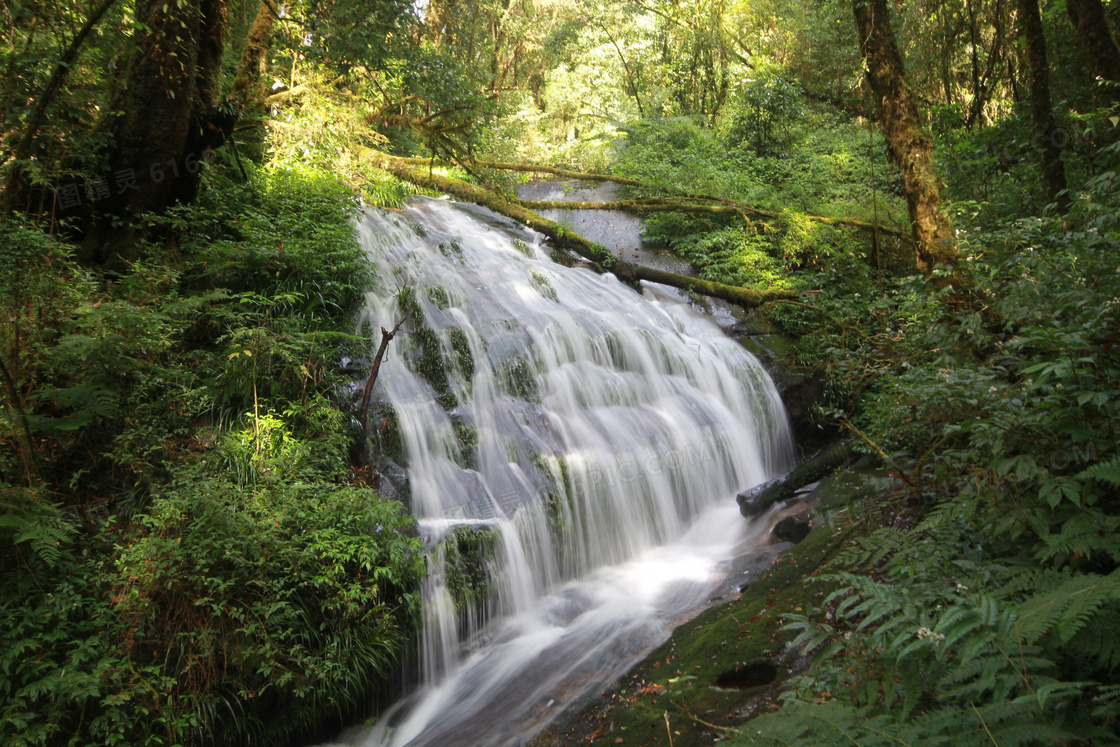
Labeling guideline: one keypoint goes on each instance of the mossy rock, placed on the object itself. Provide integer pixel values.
(385, 433)
(470, 559)
(463, 355)
(543, 285)
(438, 296)
(519, 380)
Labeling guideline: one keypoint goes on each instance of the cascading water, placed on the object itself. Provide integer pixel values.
(572, 452)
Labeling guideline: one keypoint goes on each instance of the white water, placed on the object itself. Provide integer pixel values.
(613, 431)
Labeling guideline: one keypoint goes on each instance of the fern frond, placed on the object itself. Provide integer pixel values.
(1067, 608)
(871, 550)
(42, 527)
(1104, 471)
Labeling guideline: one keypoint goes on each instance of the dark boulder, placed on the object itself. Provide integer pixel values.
(791, 529)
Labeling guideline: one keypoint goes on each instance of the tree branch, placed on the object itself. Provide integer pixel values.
(386, 336)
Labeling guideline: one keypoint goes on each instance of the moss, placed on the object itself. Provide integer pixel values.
(417, 228)
(463, 356)
(557, 500)
(408, 305)
(470, 556)
(386, 435)
(523, 248)
(561, 257)
(430, 365)
(467, 438)
(520, 381)
(543, 285)
(451, 249)
(438, 296)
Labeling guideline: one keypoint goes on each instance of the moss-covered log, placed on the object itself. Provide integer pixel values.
(759, 499)
(418, 173)
(690, 205)
(746, 297)
(683, 202)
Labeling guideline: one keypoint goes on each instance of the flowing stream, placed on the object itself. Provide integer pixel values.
(572, 449)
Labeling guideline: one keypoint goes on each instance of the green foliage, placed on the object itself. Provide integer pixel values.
(993, 618)
(282, 599)
(765, 111)
(827, 165)
(732, 255)
(206, 576)
(470, 555)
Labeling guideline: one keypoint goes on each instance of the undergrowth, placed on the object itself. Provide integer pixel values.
(186, 554)
(996, 400)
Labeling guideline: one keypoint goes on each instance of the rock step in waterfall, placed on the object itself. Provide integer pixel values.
(571, 449)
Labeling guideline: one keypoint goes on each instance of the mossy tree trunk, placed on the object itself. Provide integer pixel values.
(1095, 39)
(909, 146)
(164, 116)
(1042, 113)
(249, 84)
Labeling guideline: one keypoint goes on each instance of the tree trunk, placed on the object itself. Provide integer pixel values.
(1095, 39)
(22, 428)
(249, 85)
(909, 147)
(1046, 130)
(165, 115)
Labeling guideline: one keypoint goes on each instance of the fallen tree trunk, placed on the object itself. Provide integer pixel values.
(406, 169)
(686, 205)
(530, 168)
(696, 203)
(759, 499)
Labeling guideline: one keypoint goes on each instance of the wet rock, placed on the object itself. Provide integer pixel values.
(792, 530)
(394, 482)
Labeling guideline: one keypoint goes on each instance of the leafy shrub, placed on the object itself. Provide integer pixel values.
(249, 604)
(766, 109)
(208, 576)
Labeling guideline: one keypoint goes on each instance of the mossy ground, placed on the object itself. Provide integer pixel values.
(737, 640)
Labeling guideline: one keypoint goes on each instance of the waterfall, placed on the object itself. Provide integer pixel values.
(572, 451)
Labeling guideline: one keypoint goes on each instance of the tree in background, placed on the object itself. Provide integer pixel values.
(1095, 38)
(1042, 113)
(910, 147)
(164, 117)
